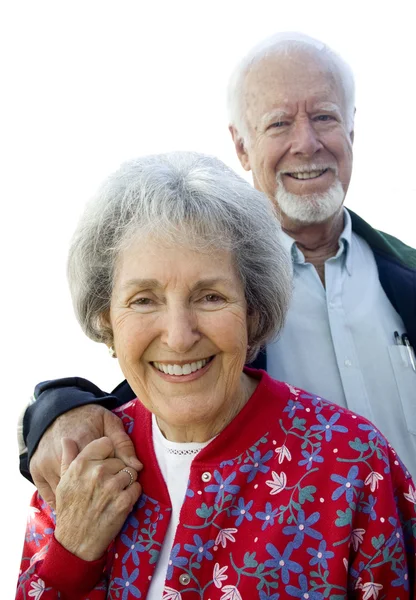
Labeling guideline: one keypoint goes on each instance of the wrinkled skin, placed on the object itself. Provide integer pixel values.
(82, 425)
(93, 497)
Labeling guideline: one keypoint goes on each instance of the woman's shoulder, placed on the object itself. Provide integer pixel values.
(318, 427)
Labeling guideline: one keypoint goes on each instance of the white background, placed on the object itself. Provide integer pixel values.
(86, 85)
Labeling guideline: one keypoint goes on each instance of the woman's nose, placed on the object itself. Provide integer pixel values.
(180, 331)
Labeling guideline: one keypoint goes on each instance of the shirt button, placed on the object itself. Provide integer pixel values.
(348, 363)
(184, 579)
(206, 476)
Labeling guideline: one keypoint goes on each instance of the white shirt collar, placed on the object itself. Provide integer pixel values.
(344, 245)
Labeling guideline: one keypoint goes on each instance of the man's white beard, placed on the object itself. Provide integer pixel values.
(312, 208)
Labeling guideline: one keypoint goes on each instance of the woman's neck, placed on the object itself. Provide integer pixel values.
(208, 429)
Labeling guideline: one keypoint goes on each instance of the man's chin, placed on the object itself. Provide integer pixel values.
(310, 210)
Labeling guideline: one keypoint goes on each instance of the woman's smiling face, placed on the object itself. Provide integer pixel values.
(179, 321)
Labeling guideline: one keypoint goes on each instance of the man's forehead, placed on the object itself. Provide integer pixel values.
(284, 79)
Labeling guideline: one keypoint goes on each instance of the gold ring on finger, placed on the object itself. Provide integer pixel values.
(131, 476)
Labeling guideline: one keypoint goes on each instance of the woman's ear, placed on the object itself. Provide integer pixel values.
(252, 324)
(107, 332)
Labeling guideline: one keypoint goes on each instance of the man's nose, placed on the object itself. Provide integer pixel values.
(305, 140)
(180, 331)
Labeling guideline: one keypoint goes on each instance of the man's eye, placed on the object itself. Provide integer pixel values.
(324, 118)
(278, 124)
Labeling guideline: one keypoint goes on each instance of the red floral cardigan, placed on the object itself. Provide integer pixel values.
(296, 498)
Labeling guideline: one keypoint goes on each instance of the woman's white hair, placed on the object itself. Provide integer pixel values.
(188, 199)
(284, 44)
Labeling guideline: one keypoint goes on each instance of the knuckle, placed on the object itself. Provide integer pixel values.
(99, 472)
(80, 463)
(106, 444)
(124, 503)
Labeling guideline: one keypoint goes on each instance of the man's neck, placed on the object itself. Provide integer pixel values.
(318, 242)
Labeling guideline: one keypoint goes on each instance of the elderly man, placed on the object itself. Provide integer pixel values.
(352, 321)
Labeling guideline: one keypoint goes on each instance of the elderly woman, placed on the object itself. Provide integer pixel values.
(250, 488)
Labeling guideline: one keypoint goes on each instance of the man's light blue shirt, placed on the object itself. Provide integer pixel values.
(338, 342)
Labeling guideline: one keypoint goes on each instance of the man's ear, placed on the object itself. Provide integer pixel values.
(240, 148)
(352, 130)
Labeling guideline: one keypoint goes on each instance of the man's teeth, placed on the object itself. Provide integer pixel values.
(186, 369)
(307, 175)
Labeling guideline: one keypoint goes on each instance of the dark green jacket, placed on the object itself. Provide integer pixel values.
(396, 263)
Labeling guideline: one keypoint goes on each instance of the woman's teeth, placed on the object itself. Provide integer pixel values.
(186, 369)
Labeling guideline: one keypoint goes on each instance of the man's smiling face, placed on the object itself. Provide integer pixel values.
(299, 146)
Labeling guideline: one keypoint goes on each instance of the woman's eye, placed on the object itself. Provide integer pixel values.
(142, 301)
(213, 298)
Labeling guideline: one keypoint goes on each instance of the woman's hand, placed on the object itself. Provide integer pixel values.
(93, 498)
(83, 424)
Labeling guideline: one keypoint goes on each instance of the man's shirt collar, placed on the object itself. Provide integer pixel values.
(344, 245)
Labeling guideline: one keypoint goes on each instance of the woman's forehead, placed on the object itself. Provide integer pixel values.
(151, 258)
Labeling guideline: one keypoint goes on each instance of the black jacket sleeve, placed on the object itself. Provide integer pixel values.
(53, 398)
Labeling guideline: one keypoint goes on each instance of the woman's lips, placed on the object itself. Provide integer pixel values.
(184, 372)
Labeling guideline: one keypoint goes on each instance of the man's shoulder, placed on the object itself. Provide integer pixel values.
(384, 245)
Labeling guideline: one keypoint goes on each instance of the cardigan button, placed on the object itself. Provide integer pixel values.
(184, 579)
(206, 476)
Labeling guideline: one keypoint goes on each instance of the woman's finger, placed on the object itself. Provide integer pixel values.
(98, 450)
(126, 476)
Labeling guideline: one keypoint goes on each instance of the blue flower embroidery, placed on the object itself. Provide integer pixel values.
(127, 582)
(368, 507)
(267, 516)
(175, 560)
(348, 484)
(402, 578)
(328, 427)
(200, 549)
(309, 457)
(257, 465)
(34, 536)
(374, 433)
(303, 527)
(242, 510)
(264, 596)
(282, 561)
(320, 556)
(189, 492)
(223, 486)
(292, 407)
(303, 591)
(134, 547)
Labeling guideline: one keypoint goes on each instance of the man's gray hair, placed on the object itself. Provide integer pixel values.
(188, 199)
(281, 44)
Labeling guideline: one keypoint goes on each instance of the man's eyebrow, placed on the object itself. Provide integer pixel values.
(327, 106)
(274, 116)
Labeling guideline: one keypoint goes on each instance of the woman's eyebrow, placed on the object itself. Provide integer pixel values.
(211, 282)
(155, 283)
(140, 283)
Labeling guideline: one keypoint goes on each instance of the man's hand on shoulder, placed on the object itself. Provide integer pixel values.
(83, 424)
